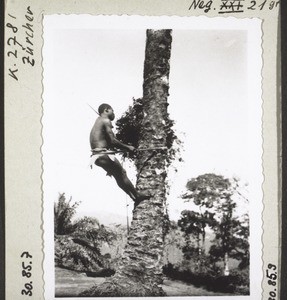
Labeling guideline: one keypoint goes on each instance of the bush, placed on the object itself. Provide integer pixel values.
(241, 278)
(237, 282)
(210, 278)
(78, 243)
(201, 275)
(73, 256)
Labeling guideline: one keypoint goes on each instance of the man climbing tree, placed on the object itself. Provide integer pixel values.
(103, 142)
(139, 272)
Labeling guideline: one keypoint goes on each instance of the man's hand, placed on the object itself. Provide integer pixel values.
(131, 148)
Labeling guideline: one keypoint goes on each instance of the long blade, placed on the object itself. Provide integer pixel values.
(93, 109)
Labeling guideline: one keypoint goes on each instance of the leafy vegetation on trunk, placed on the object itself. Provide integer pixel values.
(129, 127)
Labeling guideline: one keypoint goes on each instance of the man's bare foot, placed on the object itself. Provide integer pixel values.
(141, 196)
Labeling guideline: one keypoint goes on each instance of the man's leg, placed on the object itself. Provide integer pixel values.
(114, 168)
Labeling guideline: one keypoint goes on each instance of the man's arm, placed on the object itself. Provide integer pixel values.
(112, 139)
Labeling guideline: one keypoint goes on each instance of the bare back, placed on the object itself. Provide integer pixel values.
(99, 137)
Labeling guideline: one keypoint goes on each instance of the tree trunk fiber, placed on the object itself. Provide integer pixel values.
(140, 270)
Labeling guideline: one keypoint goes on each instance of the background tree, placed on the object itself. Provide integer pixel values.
(236, 232)
(139, 272)
(194, 224)
(216, 195)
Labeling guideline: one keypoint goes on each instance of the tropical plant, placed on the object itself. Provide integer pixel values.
(63, 213)
(90, 233)
(78, 243)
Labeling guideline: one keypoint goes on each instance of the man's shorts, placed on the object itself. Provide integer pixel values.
(98, 152)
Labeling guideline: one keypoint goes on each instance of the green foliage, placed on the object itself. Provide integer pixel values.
(199, 274)
(209, 276)
(190, 223)
(231, 236)
(207, 189)
(199, 265)
(129, 126)
(242, 277)
(194, 223)
(81, 249)
(215, 195)
(91, 235)
(63, 213)
(74, 256)
(78, 243)
(128, 288)
(90, 229)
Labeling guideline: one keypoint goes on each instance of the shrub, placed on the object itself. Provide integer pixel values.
(209, 277)
(78, 244)
(198, 273)
(73, 256)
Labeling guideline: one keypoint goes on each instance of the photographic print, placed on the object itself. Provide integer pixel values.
(152, 156)
(142, 149)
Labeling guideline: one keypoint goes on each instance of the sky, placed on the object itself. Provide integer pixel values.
(215, 100)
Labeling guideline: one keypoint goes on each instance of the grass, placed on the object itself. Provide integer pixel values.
(71, 284)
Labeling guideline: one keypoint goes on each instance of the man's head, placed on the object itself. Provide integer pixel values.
(106, 110)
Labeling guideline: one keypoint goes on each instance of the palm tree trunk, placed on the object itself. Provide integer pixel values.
(140, 270)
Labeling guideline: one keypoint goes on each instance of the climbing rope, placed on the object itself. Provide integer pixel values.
(124, 151)
(126, 196)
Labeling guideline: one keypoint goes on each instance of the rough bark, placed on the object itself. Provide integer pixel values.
(140, 270)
